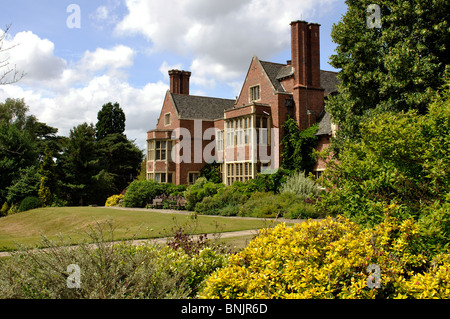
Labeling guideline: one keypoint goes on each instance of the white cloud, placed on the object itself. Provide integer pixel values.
(118, 57)
(221, 35)
(220, 38)
(78, 105)
(32, 55)
(64, 96)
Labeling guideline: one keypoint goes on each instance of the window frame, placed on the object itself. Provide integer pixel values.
(167, 116)
(255, 93)
(191, 182)
(239, 171)
(160, 150)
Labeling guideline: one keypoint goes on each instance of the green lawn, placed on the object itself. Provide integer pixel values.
(73, 223)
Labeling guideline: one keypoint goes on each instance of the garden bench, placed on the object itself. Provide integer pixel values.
(158, 202)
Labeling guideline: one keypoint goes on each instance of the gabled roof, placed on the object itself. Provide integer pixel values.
(329, 81)
(324, 121)
(277, 72)
(200, 107)
(272, 70)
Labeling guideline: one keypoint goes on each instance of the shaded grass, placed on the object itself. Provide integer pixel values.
(27, 228)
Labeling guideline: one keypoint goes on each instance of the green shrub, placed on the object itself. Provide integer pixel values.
(30, 203)
(269, 205)
(268, 182)
(211, 171)
(331, 259)
(401, 159)
(201, 189)
(225, 202)
(173, 190)
(301, 185)
(4, 210)
(141, 193)
(14, 209)
(435, 228)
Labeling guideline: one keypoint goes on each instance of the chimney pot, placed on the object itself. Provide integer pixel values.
(179, 81)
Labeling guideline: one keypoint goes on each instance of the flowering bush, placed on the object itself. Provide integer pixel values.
(114, 200)
(330, 259)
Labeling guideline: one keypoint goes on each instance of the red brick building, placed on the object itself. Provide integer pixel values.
(244, 134)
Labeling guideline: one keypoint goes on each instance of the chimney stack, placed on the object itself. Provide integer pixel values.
(179, 81)
(305, 53)
(308, 94)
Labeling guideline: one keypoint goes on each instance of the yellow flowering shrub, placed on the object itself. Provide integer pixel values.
(330, 259)
(114, 200)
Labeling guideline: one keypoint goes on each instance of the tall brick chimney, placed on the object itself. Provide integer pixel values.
(185, 77)
(305, 55)
(179, 81)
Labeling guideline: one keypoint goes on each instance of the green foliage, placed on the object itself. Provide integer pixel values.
(402, 160)
(174, 190)
(269, 205)
(26, 184)
(396, 68)
(47, 186)
(199, 190)
(142, 170)
(30, 203)
(4, 210)
(121, 271)
(434, 226)
(121, 158)
(111, 120)
(301, 185)
(142, 193)
(298, 146)
(14, 209)
(45, 195)
(246, 199)
(268, 182)
(16, 152)
(225, 202)
(79, 164)
(330, 259)
(22, 143)
(211, 171)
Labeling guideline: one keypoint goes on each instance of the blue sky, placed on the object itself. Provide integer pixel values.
(123, 49)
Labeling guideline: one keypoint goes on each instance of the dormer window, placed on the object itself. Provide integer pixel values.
(255, 93)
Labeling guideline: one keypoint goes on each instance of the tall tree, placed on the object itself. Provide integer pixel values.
(22, 143)
(79, 163)
(121, 158)
(17, 152)
(111, 120)
(396, 67)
